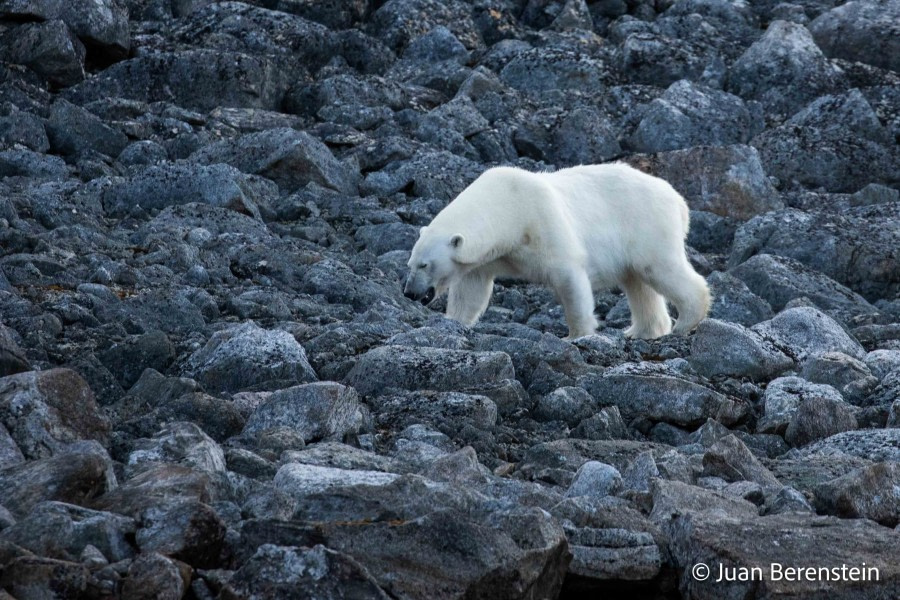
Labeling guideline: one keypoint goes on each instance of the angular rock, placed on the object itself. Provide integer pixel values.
(610, 553)
(20, 162)
(189, 531)
(690, 115)
(317, 411)
(128, 360)
(658, 393)
(44, 411)
(178, 443)
(12, 357)
(674, 499)
(720, 348)
(851, 377)
(605, 425)
(158, 187)
(198, 79)
(448, 412)
(153, 576)
(282, 572)
(248, 357)
(397, 22)
(862, 31)
(783, 398)
(74, 131)
(651, 58)
(540, 70)
(805, 332)
(406, 368)
(63, 531)
(74, 477)
(867, 493)
(595, 480)
(159, 486)
(733, 301)
(568, 404)
(731, 460)
(778, 280)
(729, 181)
(38, 577)
(873, 444)
(784, 70)
(49, 49)
(288, 157)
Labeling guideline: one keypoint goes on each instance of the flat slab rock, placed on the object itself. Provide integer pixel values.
(763, 548)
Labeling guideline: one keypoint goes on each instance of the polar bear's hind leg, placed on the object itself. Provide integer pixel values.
(649, 316)
(686, 289)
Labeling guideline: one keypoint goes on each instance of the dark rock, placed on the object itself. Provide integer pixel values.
(862, 31)
(541, 70)
(568, 404)
(75, 477)
(867, 493)
(63, 531)
(851, 377)
(197, 79)
(825, 542)
(784, 70)
(733, 301)
(12, 357)
(73, 130)
(317, 411)
(653, 59)
(658, 393)
(38, 577)
(248, 357)
(398, 22)
(729, 181)
(387, 237)
(690, 115)
(178, 443)
(675, 499)
(730, 459)
(824, 145)
(190, 531)
(406, 368)
(778, 280)
(158, 486)
(19, 162)
(856, 248)
(154, 576)
(45, 411)
(145, 152)
(720, 348)
(128, 360)
(449, 412)
(50, 49)
(288, 157)
(342, 14)
(290, 572)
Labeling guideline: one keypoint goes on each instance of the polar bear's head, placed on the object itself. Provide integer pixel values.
(433, 264)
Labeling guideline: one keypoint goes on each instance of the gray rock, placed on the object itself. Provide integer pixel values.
(730, 459)
(583, 136)
(154, 576)
(248, 357)
(144, 152)
(398, 22)
(568, 404)
(733, 301)
(734, 543)
(595, 480)
(76, 476)
(22, 127)
(127, 360)
(387, 237)
(190, 531)
(674, 499)
(783, 397)
(854, 248)
(20, 162)
(299, 479)
(406, 368)
(289, 572)
(432, 174)
(778, 280)
(658, 393)
(317, 411)
(342, 14)
(650, 58)
(851, 377)
(163, 485)
(729, 181)
(822, 145)
(690, 115)
(73, 130)
(38, 577)
(44, 411)
(178, 443)
(787, 500)
(158, 187)
(818, 418)
(49, 49)
(862, 31)
(540, 70)
(613, 553)
(12, 357)
(288, 157)
(720, 348)
(64, 531)
(199, 79)
(805, 332)
(102, 24)
(874, 193)
(605, 425)
(866, 493)
(449, 412)
(784, 70)
(873, 444)
(883, 362)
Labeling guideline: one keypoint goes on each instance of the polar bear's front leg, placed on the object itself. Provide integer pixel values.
(468, 298)
(574, 291)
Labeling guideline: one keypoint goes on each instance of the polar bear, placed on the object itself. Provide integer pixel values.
(575, 230)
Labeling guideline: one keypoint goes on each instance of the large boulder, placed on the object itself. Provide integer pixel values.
(721, 348)
(863, 31)
(49, 49)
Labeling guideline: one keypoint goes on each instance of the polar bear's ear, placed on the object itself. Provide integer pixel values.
(456, 241)
(463, 251)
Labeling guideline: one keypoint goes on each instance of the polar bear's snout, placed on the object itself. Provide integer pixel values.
(418, 290)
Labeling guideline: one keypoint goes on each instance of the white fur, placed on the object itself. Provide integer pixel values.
(576, 230)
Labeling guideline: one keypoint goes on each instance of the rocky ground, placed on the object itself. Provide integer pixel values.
(213, 387)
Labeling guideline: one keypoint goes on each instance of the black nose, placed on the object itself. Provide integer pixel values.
(409, 295)
(428, 297)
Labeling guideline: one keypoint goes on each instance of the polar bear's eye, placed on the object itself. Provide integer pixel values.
(423, 265)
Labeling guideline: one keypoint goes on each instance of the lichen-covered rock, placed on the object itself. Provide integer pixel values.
(863, 30)
(805, 332)
(49, 48)
(868, 493)
(720, 348)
